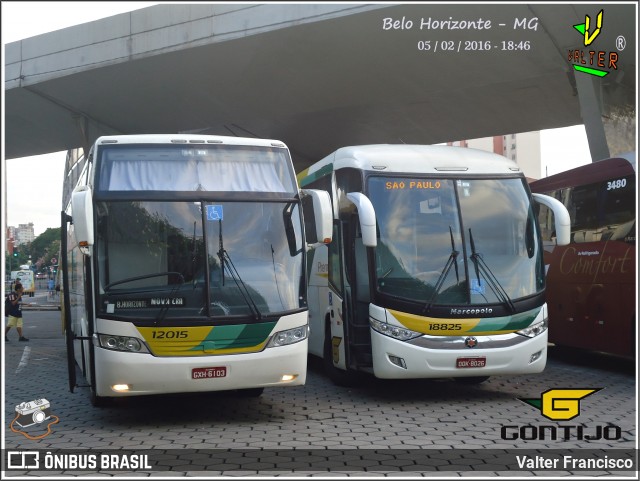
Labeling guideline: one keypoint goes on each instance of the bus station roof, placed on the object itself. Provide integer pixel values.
(315, 76)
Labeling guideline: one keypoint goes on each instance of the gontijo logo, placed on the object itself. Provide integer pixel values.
(560, 404)
(587, 60)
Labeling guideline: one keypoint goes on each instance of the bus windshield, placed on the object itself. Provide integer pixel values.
(455, 242)
(179, 260)
(191, 168)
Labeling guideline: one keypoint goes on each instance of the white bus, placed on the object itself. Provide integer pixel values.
(183, 266)
(435, 269)
(26, 278)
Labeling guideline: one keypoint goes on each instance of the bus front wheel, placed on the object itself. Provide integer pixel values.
(471, 379)
(99, 401)
(339, 377)
(250, 392)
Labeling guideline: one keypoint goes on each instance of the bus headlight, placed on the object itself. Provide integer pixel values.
(395, 332)
(290, 336)
(535, 329)
(121, 343)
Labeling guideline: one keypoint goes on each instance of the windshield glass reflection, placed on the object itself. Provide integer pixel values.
(154, 259)
(424, 252)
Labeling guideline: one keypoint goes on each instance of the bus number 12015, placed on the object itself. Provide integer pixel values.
(170, 334)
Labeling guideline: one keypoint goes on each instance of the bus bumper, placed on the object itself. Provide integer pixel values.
(394, 359)
(146, 374)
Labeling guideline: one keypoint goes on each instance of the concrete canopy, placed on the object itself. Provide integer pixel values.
(316, 76)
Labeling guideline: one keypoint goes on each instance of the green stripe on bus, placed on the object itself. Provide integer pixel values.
(237, 336)
(316, 175)
(507, 323)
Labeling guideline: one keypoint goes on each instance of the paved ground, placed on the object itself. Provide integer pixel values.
(396, 428)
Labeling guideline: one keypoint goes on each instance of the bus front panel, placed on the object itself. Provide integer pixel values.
(464, 347)
(170, 361)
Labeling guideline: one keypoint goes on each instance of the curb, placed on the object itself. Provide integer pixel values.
(43, 307)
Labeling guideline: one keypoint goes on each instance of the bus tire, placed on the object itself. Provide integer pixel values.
(99, 401)
(338, 376)
(471, 379)
(251, 392)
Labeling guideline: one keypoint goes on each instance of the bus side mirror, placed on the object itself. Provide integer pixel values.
(561, 217)
(318, 216)
(367, 216)
(82, 214)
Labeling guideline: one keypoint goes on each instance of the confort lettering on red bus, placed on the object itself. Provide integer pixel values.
(593, 265)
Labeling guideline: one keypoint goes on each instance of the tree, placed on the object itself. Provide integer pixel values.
(40, 251)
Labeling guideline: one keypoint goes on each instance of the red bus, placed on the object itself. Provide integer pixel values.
(591, 283)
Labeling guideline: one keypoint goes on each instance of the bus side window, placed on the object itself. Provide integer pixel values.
(546, 223)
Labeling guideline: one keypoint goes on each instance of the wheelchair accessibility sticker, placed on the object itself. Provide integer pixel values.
(214, 212)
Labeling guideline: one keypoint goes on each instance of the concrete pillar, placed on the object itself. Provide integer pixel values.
(607, 106)
(591, 111)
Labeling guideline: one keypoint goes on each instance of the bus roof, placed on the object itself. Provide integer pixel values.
(422, 159)
(598, 171)
(186, 139)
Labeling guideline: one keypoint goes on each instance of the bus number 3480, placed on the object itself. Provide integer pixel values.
(445, 326)
(170, 334)
(617, 184)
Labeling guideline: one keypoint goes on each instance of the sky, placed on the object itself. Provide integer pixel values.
(40, 177)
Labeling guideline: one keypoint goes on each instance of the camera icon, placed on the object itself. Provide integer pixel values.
(32, 412)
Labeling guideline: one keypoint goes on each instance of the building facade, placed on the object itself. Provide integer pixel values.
(523, 148)
(23, 234)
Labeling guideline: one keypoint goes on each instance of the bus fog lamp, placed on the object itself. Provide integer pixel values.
(290, 336)
(398, 361)
(120, 387)
(535, 356)
(288, 377)
(534, 329)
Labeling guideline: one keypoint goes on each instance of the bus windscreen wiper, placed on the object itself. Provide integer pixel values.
(494, 283)
(451, 261)
(227, 263)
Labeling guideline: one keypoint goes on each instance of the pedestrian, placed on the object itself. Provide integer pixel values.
(51, 286)
(15, 313)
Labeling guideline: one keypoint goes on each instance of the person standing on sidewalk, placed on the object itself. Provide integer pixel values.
(15, 313)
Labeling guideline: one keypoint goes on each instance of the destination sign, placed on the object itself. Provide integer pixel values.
(152, 302)
(412, 184)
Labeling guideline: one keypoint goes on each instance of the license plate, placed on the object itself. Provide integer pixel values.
(464, 362)
(208, 372)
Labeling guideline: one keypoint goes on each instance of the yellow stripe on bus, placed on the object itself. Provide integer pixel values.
(190, 341)
(442, 327)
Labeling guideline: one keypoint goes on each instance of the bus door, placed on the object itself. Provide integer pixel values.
(66, 303)
(78, 334)
(335, 349)
(357, 297)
